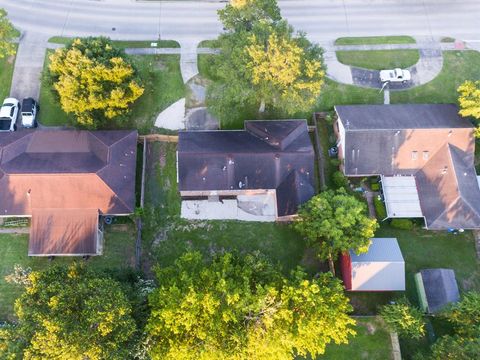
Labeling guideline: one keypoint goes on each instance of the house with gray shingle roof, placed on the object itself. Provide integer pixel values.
(424, 154)
(262, 173)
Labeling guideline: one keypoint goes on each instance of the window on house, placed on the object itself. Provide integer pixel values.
(425, 155)
(414, 155)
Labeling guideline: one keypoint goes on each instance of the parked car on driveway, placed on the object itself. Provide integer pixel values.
(395, 76)
(9, 114)
(30, 109)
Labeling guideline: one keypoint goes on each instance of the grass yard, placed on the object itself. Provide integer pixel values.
(166, 236)
(372, 342)
(458, 66)
(379, 59)
(125, 43)
(6, 72)
(119, 253)
(375, 40)
(163, 85)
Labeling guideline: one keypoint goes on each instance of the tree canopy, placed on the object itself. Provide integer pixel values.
(469, 100)
(243, 308)
(404, 319)
(70, 313)
(94, 80)
(241, 15)
(464, 343)
(335, 222)
(264, 65)
(7, 33)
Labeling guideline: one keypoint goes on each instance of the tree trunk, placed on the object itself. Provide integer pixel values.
(261, 109)
(330, 263)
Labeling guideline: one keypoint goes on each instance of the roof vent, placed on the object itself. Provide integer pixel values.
(231, 162)
(444, 171)
(241, 185)
(397, 132)
(224, 168)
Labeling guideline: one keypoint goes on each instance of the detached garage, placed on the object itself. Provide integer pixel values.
(382, 268)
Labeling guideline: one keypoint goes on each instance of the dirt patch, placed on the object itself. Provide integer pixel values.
(371, 328)
(160, 65)
(11, 59)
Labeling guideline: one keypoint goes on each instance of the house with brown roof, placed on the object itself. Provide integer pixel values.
(262, 173)
(424, 154)
(65, 180)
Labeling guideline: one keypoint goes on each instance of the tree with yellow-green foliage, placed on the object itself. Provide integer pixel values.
(263, 68)
(94, 80)
(69, 313)
(7, 33)
(470, 100)
(243, 307)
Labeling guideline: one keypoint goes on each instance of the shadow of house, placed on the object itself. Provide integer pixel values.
(65, 180)
(430, 143)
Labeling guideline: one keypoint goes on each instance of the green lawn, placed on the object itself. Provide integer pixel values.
(119, 253)
(379, 59)
(374, 40)
(161, 78)
(372, 342)
(458, 66)
(166, 236)
(6, 72)
(125, 43)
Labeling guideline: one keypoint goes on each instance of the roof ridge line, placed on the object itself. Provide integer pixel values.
(115, 194)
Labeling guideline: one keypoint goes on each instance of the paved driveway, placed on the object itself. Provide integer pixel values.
(29, 65)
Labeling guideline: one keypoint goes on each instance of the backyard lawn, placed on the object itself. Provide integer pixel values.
(374, 40)
(166, 236)
(372, 342)
(6, 72)
(379, 59)
(119, 253)
(161, 78)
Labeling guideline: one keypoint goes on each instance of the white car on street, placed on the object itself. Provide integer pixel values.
(395, 76)
(8, 114)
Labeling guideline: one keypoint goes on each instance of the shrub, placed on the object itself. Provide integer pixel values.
(373, 180)
(375, 186)
(404, 319)
(403, 224)
(379, 208)
(335, 162)
(339, 180)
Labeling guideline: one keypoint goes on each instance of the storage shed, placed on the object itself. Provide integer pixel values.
(436, 289)
(382, 268)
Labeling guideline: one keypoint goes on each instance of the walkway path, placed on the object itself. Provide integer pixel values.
(29, 65)
(429, 65)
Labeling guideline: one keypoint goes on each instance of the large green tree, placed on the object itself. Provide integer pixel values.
(241, 15)
(335, 222)
(95, 80)
(70, 313)
(464, 344)
(469, 99)
(242, 307)
(264, 68)
(7, 33)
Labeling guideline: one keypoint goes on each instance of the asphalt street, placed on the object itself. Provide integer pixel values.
(323, 20)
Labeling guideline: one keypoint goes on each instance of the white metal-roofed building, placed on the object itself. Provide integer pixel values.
(382, 268)
(401, 197)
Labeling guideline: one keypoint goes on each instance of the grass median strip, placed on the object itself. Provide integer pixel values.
(379, 59)
(374, 40)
